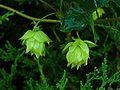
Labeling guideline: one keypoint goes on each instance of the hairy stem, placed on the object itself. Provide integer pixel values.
(27, 16)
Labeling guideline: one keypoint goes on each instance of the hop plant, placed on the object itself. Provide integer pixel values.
(78, 52)
(35, 41)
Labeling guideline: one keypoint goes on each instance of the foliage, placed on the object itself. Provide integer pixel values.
(101, 76)
(5, 17)
(77, 32)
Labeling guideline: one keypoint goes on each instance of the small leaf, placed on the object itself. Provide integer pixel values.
(96, 37)
(66, 47)
(89, 43)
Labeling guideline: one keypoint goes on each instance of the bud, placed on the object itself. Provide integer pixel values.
(78, 53)
(98, 13)
(35, 42)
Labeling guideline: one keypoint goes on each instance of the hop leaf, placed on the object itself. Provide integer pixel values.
(35, 42)
(78, 53)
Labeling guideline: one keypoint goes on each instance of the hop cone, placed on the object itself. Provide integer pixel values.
(35, 42)
(78, 53)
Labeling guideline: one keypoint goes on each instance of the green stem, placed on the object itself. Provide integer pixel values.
(61, 1)
(41, 72)
(47, 15)
(56, 36)
(78, 35)
(48, 5)
(27, 16)
(106, 27)
(43, 18)
(108, 20)
(52, 20)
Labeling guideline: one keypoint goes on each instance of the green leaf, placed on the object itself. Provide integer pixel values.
(5, 16)
(89, 43)
(96, 37)
(78, 13)
(62, 83)
(66, 47)
(77, 16)
(75, 19)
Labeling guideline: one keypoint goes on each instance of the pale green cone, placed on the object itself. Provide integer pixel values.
(77, 54)
(35, 42)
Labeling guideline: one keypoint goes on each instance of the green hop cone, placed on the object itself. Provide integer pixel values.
(35, 42)
(77, 54)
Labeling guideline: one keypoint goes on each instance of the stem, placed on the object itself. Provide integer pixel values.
(47, 15)
(108, 20)
(43, 18)
(106, 27)
(61, 1)
(41, 72)
(51, 20)
(27, 16)
(78, 35)
(48, 5)
(56, 36)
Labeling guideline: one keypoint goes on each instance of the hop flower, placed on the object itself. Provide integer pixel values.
(35, 42)
(78, 53)
(100, 12)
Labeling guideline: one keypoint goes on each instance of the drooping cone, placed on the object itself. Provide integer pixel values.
(78, 53)
(35, 42)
